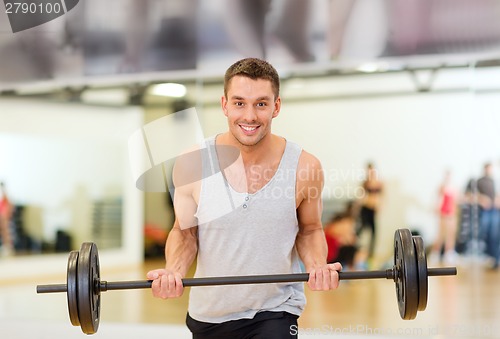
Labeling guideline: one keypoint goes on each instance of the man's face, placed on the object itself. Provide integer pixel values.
(250, 107)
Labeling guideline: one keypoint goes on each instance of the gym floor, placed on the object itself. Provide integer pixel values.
(464, 306)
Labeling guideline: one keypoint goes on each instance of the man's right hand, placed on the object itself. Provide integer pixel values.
(166, 284)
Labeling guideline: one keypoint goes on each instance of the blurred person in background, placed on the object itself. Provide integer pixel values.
(412, 27)
(6, 210)
(483, 193)
(488, 216)
(341, 238)
(496, 245)
(447, 223)
(248, 27)
(370, 204)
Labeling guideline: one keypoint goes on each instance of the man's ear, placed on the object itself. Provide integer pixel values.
(277, 107)
(223, 104)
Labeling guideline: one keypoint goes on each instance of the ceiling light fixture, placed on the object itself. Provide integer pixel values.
(169, 89)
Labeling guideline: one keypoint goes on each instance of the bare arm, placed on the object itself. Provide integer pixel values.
(485, 201)
(181, 249)
(311, 243)
(182, 243)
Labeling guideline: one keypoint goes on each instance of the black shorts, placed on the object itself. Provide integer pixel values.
(265, 325)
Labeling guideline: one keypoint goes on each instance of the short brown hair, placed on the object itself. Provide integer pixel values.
(254, 69)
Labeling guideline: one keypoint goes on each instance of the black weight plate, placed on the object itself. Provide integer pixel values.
(423, 284)
(89, 297)
(72, 292)
(406, 276)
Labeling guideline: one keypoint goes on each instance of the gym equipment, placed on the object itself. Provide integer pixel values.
(84, 286)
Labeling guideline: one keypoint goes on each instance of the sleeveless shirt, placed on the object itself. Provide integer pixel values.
(246, 234)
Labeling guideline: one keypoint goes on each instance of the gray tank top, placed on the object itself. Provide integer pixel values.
(247, 234)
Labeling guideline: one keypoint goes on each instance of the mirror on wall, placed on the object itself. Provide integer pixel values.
(64, 169)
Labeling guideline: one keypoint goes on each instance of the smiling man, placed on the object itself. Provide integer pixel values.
(274, 222)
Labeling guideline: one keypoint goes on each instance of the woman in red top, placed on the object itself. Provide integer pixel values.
(5, 216)
(447, 223)
(341, 239)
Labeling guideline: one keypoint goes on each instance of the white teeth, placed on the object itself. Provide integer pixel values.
(246, 128)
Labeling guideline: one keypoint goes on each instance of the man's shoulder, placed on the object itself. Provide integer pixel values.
(309, 169)
(309, 160)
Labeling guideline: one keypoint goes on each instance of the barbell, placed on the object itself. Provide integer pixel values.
(84, 285)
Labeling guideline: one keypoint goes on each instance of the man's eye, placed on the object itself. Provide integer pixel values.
(261, 104)
(238, 103)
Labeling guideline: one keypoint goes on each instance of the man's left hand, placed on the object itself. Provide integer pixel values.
(324, 278)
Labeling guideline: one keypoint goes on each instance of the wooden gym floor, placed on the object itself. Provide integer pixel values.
(465, 306)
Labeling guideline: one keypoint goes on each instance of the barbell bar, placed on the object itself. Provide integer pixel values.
(242, 280)
(84, 286)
